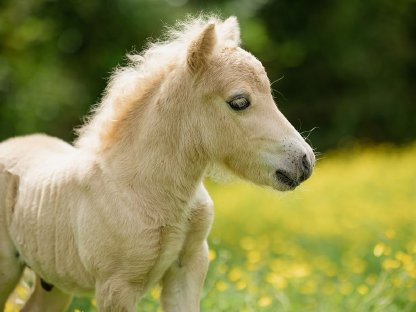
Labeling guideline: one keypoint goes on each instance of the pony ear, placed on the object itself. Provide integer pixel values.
(231, 30)
(201, 48)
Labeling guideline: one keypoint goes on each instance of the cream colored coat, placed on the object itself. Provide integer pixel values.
(125, 207)
(77, 227)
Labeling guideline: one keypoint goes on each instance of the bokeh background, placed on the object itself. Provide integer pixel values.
(347, 68)
(343, 72)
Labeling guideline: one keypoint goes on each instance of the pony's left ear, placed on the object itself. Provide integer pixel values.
(231, 31)
(201, 48)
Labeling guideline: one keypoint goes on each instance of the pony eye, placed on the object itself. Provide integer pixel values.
(239, 103)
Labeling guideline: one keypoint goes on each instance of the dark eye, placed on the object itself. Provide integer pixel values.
(239, 103)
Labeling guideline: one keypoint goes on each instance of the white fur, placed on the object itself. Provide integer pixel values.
(125, 207)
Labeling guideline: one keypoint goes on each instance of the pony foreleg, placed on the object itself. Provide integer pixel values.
(115, 295)
(10, 271)
(10, 266)
(183, 282)
(46, 300)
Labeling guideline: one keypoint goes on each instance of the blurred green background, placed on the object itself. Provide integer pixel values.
(347, 68)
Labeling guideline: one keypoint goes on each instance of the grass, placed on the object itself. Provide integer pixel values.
(344, 241)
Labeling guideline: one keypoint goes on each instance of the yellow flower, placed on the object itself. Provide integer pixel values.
(407, 261)
(264, 301)
(253, 257)
(221, 286)
(21, 291)
(362, 289)
(379, 249)
(235, 274)
(389, 264)
(11, 308)
(277, 281)
(155, 293)
(298, 270)
(412, 273)
(212, 254)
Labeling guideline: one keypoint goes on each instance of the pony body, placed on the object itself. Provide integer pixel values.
(125, 208)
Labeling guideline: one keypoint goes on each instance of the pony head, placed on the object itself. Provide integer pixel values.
(200, 95)
(239, 124)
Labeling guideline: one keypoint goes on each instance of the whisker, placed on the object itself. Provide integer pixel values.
(309, 132)
(278, 79)
(274, 90)
(280, 93)
(306, 137)
(319, 158)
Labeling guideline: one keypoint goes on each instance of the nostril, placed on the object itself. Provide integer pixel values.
(305, 163)
(306, 168)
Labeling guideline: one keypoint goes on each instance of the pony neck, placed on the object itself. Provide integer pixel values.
(158, 153)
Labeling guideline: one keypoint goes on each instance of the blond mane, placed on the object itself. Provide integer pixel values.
(130, 86)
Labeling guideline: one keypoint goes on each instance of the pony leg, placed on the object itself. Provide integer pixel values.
(10, 271)
(182, 283)
(10, 266)
(52, 299)
(114, 295)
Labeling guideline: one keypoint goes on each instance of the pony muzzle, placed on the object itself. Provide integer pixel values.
(303, 172)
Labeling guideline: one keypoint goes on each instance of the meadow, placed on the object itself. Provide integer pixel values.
(344, 241)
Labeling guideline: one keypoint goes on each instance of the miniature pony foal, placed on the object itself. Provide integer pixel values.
(125, 208)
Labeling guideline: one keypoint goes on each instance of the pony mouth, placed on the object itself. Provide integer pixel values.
(284, 178)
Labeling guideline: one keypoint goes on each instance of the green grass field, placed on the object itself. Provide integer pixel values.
(344, 241)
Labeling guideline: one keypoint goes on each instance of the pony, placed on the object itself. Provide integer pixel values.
(124, 207)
